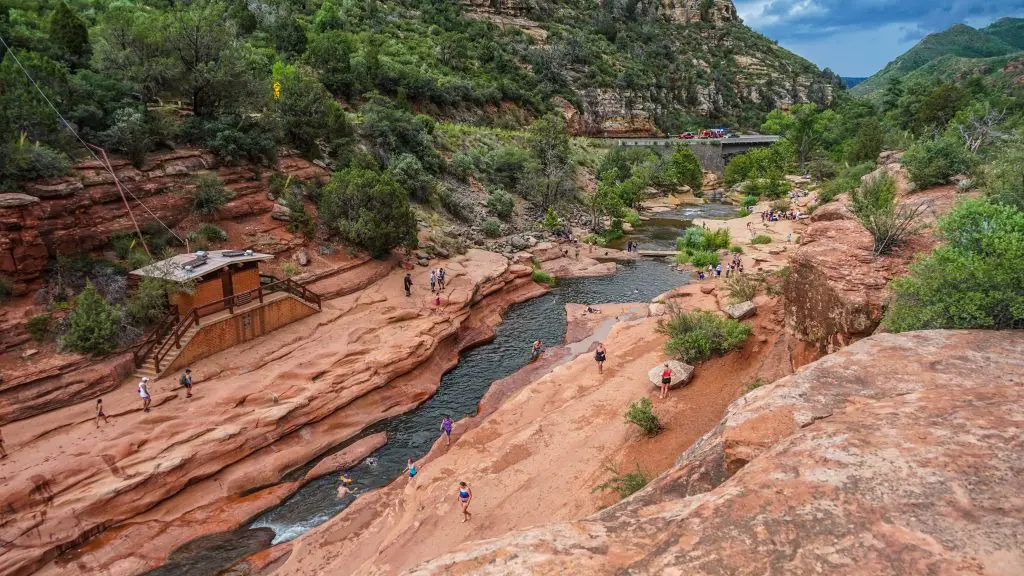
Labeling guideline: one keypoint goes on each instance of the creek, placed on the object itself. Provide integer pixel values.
(412, 434)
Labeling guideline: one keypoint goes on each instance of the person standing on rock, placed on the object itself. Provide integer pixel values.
(407, 283)
(410, 467)
(666, 379)
(440, 278)
(144, 393)
(446, 428)
(186, 382)
(99, 412)
(433, 280)
(599, 356)
(465, 497)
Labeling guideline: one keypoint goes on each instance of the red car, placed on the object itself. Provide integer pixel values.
(686, 136)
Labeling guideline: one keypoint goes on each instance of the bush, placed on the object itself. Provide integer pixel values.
(932, 163)
(21, 160)
(973, 280)
(736, 249)
(743, 213)
(551, 221)
(368, 209)
(697, 336)
(717, 240)
(742, 287)
(631, 216)
(461, 165)
(148, 304)
(138, 259)
(501, 204)
(704, 258)
(212, 233)
(641, 414)
(767, 187)
(1004, 178)
(848, 179)
(92, 324)
(874, 203)
(123, 245)
(541, 277)
(39, 326)
(299, 220)
(692, 239)
(408, 173)
(684, 168)
(749, 201)
(761, 239)
(453, 245)
(624, 485)
(289, 269)
(491, 228)
(208, 195)
(453, 204)
(782, 205)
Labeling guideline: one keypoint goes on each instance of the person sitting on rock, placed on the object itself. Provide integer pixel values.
(535, 353)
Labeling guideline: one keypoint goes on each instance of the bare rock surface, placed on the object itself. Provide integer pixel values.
(899, 454)
(741, 311)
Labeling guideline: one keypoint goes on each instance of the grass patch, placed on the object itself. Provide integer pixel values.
(761, 239)
(757, 383)
(542, 277)
(704, 258)
(698, 335)
(742, 287)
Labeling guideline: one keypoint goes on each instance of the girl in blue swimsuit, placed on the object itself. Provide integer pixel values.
(411, 467)
(465, 497)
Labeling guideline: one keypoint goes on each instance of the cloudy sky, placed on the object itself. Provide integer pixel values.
(859, 37)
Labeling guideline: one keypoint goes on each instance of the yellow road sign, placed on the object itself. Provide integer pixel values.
(277, 90)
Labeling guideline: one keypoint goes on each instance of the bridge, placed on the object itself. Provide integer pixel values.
(713, 153)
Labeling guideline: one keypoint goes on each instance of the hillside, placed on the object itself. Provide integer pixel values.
(954, 53)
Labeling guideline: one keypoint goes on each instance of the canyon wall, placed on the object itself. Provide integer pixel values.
(80, 212)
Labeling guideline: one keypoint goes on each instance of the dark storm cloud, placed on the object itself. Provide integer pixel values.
(803, 20)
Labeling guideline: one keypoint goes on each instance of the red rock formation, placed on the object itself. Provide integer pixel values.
(897, 455)
(82, 211)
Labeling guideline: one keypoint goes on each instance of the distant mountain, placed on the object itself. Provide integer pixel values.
(958, 52)
(851, 81)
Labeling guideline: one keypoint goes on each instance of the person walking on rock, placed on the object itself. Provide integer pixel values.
(186, 382)
(433, 280)
(666, 379)
(465, 497)
(144, 393)
(99, 412)
(599, 356)
(410, 467)
(407, 283)
(446, 428)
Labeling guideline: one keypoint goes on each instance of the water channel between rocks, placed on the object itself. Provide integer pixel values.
(412, 434)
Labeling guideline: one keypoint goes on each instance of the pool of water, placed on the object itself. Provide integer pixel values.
(411, 435)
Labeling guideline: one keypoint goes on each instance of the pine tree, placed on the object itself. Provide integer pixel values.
(92, 324)
(71, 35)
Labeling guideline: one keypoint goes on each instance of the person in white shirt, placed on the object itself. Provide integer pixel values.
(144, 394)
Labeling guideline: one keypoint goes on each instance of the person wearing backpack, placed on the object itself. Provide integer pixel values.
(186, 382)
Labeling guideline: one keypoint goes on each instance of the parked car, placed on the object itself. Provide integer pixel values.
(686, 136)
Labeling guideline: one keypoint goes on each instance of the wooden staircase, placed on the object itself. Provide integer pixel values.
(146, 366)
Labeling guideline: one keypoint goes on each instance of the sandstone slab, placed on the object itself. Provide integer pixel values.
(741, 310)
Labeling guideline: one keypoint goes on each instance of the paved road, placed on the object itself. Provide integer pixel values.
(741, 140)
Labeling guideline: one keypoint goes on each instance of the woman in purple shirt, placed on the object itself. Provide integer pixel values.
(446, 427)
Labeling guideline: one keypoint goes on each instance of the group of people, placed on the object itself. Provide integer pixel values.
(776, 215)
(436, 280)
(185, 380)
(632, 246)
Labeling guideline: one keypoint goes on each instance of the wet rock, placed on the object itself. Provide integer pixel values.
(741, 311)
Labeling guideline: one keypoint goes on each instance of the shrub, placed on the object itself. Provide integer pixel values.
(761, 239)
(369, 209)
(149, 302)
(453, 204)
(743, 213)
(208, 195)
(782, 205)
(1004, 178)
(682, 258)
(22, 160)
(736, 249)
(697, 336)
(461, 165)
(289, 269)
(874, 203)
(39, 326)
(631, 216)
(212, 233)
(491, 228)
(123, 245)
(501, 204)
(408, 173)
(551, 221)
(138, 259)
(767, 187)
(757, 383)
(299, 220)
(742, 287)
(704, 258)
(692, 239)
(716, 240)
(932, 163)
(454, 245)
(92, 323)
(624, 485)
(973, 280)
(541, 277)
(684, 168)
(641, 414)
(848, 179)
(749, 201)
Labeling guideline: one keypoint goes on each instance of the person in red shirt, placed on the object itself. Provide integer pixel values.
(666, 379)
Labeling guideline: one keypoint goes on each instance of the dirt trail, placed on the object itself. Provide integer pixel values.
(539, 455)
(143, 484)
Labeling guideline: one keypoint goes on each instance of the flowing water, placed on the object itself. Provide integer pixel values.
(412, 434)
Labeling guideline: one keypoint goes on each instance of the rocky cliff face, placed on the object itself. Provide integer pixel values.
(896, 455)
(81, 212)
(716, 11)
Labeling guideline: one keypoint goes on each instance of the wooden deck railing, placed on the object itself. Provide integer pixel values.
(170, 338)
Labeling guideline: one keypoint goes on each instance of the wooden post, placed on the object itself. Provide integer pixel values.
(259, 293)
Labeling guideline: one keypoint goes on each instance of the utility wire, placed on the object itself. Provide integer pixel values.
(88, 148)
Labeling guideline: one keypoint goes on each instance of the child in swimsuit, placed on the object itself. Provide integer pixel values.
(465, 497)
(411, 467)
(446, 427)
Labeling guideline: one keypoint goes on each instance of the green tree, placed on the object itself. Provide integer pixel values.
(369, 209)
(70, 35)
(310, 116)
(408, 173)
(685, 169)
(548, 140)
(973, 280)
(604, 201)
(932, 162)
(1004, 177)
(867, 143)
(804, 126)
(92, 323)
(329, 53)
